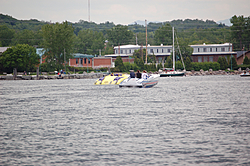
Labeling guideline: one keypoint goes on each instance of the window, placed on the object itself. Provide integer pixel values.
(211, 50)
(162, 51)
(157, 50)
(169, 50)
(199, 59)
(216, 49)
(205, 58)
(198, 49)
(223, 49)
(84, 60)
(89, 61)
(76, 61)
(121, 51)
(211, 59)
(81, 61)
(151, 51)
(130, 51)
(159, 60)
(204, 49)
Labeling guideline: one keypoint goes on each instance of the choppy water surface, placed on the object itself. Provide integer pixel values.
(180, 121)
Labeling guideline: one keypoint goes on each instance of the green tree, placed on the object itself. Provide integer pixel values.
(246, 61)
(90, 42)
(163, 35)
(234, 63)
(159, 66)
(24, 37)
(169, 63)
(130, 66)
(137, 53)
(178, 65)
(119, 64)
(6, 35)
(240, 31)
(223, 63)
(22, 56)
(188, 64)
(57, 38)
(185, 50)
(139, 62)
(120, 35)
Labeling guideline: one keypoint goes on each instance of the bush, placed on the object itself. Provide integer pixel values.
(178, 65)
(77, 69)
(130, 66)
(244, 67)
(197, 66)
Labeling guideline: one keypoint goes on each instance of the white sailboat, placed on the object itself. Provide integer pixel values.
(171, 73)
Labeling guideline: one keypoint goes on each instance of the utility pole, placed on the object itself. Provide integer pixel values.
(173, 51)
(64, 61)
(146, 61)
(136, 38)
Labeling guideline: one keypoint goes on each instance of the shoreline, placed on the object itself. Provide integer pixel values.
(99, 75)
(48, 77)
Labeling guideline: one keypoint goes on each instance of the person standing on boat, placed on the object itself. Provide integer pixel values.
(144, 75)
(132, 74)
(138, 74)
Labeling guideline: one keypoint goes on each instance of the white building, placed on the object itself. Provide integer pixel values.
(211, 52)
(125, 51)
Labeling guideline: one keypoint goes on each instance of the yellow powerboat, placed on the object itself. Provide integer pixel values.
(112, 79)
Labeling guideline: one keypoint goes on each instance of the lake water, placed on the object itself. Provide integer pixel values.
(203, 120)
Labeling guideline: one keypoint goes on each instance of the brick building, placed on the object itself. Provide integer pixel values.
(242, 56)
(84, 60)
(211, 52)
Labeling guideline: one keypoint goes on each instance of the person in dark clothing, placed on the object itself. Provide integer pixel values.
(138, 74)
(132, 74)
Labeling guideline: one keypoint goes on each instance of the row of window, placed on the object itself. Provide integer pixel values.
(159, 50)
(151, 51)
(223, 49)
(206, 59)
(124, 51)
(81, 60)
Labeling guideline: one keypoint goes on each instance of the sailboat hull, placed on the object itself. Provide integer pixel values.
(172, 74)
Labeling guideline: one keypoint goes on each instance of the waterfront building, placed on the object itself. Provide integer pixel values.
(241, 56)
(211, 52)
(126, 52)
(84, 60)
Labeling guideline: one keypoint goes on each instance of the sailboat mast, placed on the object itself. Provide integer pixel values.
(173, 52)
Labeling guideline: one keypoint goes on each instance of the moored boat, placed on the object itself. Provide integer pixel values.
(170, 72)
(165, 72)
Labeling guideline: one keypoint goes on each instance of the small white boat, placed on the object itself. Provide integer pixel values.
(245, 75)
(140, 83)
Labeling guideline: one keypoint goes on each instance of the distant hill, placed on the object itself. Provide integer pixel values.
(136, 27)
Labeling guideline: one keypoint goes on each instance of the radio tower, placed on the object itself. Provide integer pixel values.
(89, 9)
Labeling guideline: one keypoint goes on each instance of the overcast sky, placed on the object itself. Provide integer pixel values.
(124, 11)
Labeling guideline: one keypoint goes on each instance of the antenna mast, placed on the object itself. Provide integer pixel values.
(173, 52)
(146, 43)
(89, 9)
